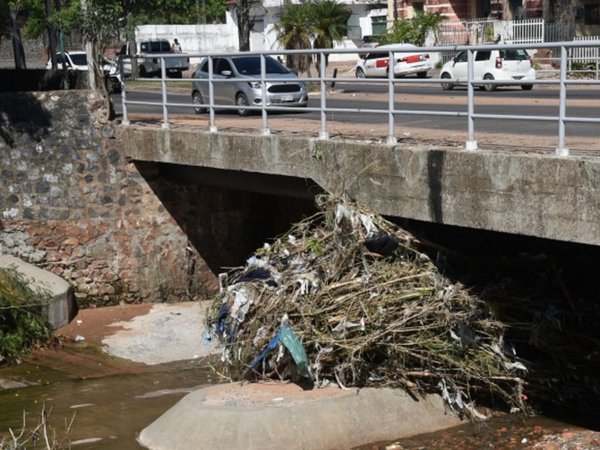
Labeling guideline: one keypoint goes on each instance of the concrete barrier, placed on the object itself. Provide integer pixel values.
(276, 416)
(61, 308)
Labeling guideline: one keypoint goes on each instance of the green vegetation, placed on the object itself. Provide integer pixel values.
(22, 323)
(325, 21)
(413, 31)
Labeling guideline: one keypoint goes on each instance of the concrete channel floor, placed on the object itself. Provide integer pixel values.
(259, 415)
(249, 415)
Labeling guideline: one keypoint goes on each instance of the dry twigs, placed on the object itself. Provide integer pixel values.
(369, 309)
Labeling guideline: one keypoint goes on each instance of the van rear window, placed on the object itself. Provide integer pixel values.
(514, 55)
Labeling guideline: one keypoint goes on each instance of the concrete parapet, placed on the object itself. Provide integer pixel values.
(535, 195)
(61, 307)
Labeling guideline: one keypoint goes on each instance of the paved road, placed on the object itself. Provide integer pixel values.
(538, 102)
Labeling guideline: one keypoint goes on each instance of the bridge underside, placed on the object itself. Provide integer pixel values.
(532, 195)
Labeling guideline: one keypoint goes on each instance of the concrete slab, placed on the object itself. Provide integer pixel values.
(266, 416)
(61, 308)
(168, 332)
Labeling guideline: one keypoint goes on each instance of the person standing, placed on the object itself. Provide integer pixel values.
(176, 47)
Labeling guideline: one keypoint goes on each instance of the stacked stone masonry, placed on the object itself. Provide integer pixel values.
(71, 203)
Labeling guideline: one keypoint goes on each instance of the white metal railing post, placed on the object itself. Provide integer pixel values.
(263, 84)
(561, 150)
(211, 96)
(323, 134)
(125, 120)
(471, 143)
(391, 138)
(163, 82)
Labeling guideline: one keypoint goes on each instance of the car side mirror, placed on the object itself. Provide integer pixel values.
(226, 73)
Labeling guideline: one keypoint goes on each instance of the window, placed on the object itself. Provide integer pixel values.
(418, 7)
(482, 55)
(591, 15)
(461, 57)
(250, 65)
(379, 24)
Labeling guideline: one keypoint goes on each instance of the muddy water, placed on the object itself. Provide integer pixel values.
(113, 400)
(109, 410)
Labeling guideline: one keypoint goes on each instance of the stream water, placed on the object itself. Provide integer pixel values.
(109, 410)
(113, 400)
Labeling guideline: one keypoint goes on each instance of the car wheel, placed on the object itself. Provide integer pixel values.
(197, 99)
(242, 100)
(360, 73)
(488, 87)
(527, 87)
(447, 86)
(143, 73)
(422, 74)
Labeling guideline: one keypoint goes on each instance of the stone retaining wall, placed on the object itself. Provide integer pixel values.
(71, 203)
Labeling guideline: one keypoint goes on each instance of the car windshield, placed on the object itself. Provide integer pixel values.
(79, 59)
(514, 55)
(250, 65)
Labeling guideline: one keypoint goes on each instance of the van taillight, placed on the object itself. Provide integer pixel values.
(498, 62)
(382, 63)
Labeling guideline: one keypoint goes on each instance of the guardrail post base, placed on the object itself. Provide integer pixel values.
(125, 122)
(391, 140)
(471, 145)
(323, 135)
(265, 132)
(213, 129)
(165, 125)
(562, 151)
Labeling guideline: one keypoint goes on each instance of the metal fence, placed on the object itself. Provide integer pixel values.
(392, 110)
(480, 31)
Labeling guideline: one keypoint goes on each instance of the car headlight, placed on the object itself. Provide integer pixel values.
(254, 84)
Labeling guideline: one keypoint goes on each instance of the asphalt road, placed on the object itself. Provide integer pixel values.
(506, 100)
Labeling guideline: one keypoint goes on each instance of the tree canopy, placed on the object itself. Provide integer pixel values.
(322, 21)
(414, 30)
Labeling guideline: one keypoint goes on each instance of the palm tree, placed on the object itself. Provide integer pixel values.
(329, 22)
(293, 31)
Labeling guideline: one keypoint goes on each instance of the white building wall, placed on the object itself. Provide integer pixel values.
(224, 37)
(209, 38)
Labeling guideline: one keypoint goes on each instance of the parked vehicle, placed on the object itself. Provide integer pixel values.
(286, 90)
(499, 65)
(149, 64)
(77, 60)
(409, 61)
(367, 43)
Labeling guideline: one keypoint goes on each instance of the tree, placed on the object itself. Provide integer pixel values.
(325, 21)
(414, 30)
(293, 31)
(245, 20)
(329, 22)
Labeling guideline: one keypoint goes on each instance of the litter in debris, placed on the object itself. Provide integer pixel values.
(346, 296)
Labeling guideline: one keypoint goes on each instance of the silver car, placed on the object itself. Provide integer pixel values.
(288, 90)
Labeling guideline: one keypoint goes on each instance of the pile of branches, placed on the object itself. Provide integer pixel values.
(346, 296)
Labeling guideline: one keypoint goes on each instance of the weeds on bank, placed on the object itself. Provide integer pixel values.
(22, 322)
(42, 436)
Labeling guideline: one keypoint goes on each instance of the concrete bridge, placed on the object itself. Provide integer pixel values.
(546, 196)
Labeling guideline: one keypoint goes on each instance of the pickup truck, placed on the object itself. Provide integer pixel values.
(147, 53)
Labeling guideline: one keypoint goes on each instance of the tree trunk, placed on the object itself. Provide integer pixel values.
(564, 13)
(244, 24)
(51, 36)
(18, 51)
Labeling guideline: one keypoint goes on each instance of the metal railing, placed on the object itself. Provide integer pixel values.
(392, 111)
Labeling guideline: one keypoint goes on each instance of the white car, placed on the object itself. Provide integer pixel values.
(407, 61)
(499, 65)
(77, 60)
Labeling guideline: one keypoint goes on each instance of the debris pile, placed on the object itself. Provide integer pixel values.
(345, 296)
